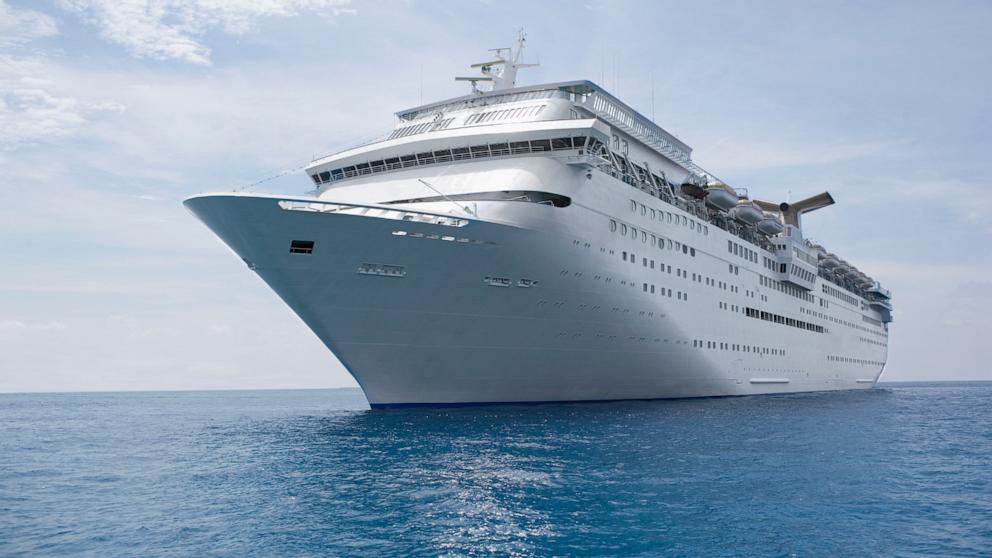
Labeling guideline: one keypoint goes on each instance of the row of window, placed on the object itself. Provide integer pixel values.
(669, 217)
(449, 155)
(644, 236)
(830, 318)
(679, 272)
(506, 282)
(505, 114)
(721, 346)
(870, 320)
(770, 317)
(384, 270)
(479, 101)
(650, 288)
(430, 236)
(850, 360)
(811, 260)
(841, 295)
(786, 288)
(742, 251)
(872, 342)
(420, 128)
(803, 274)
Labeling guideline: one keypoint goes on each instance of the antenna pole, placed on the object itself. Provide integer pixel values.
(501, 72)
(652, 98)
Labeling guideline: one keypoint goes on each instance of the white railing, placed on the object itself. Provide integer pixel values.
(369, 211)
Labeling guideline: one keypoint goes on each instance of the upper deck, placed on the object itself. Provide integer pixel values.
(521, 112)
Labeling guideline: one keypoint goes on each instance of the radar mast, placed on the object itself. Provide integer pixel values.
(501, 72)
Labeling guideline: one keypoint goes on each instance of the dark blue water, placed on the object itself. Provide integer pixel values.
(903, 470)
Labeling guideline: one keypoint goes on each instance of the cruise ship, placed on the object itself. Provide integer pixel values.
(548, 243)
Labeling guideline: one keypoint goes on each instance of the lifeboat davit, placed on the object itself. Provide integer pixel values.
(747, 212)
(720, 198)
(770, 225)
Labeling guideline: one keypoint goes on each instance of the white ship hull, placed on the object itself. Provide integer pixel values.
(428, 321)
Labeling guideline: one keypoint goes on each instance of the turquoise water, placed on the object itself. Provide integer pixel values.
(902, 470)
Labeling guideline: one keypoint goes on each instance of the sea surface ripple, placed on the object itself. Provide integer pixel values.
(904, 469)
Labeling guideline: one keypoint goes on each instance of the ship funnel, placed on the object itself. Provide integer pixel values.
(794, 211)
(791, 212)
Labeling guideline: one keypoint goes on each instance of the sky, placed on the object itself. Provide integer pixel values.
(113, 111)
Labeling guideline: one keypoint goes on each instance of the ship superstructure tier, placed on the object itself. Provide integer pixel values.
(549, 243)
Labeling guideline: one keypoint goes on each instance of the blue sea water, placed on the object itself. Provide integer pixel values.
(901, 470)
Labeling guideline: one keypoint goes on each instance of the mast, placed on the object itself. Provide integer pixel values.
(501, 72)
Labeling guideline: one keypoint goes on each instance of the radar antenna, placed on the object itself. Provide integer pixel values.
(501, 72)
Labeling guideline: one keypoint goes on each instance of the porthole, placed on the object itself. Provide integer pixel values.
(613, 226)
(623, 229)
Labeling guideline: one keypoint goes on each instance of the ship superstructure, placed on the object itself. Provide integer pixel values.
(549, 243)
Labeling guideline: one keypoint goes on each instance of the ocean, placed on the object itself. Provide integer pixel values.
(901, 470)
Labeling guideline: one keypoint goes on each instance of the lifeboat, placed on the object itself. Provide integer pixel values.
(829, 261)
(693, 190)
(720, 198)
(770, 225)
(747, 212)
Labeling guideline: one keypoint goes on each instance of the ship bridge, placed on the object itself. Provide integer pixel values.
(451, 130)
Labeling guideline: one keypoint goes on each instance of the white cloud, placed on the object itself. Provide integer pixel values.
(170, 29)
(20, 26)
(32, 106)
(31, 111)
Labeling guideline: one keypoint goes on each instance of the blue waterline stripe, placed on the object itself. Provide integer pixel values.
(453, 404)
